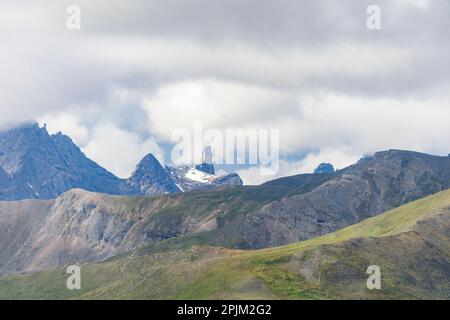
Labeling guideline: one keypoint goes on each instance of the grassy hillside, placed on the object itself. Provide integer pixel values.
(411, 244)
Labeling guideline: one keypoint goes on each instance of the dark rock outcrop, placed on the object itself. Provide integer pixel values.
(370, 187)
(232, 179)
(324, 168)
(206, 167)
(150, 178)
(42, 166)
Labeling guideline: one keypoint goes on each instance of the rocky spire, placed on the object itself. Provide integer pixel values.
(207, 165)
(151, 178)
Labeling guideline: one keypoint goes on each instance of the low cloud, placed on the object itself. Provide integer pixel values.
(119, 150)
(116, 149)
(339, 158)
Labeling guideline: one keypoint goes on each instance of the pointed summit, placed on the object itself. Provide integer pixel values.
(207, 165)
(42, 166)
(148, 163)
(207, 155)
(151, 178)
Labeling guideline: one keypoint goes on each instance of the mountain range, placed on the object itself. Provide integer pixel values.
(36, 165)
(81, 226)
(308, 236)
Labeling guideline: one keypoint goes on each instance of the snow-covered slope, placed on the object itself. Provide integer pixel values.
(189, 178)
(199, 176)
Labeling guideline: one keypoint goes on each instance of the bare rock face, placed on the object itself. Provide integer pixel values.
(81, 226)
(4, 180)
(370, 187)
(232, 179)
(42, 166)
(151, 178)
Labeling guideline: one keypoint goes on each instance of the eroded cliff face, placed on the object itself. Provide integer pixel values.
(370, 187)
(80, 226)
(43, 166)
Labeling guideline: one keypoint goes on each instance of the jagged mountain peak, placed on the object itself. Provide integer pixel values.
(18, 142)
(151, 178)
(207, 165)
(42, 166)
(37, 165)
(149, 162)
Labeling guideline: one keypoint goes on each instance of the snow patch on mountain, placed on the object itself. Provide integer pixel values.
(199, 176)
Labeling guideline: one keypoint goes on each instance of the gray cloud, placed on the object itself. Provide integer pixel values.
(134, 60)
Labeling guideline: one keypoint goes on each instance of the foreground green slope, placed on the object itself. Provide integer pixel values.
(410, 244)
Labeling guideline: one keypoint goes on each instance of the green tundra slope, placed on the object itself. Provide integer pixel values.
(411, 245)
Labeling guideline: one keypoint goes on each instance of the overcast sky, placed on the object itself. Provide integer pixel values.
(137, 70)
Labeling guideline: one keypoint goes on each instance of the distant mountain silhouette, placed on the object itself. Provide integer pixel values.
(37, 165)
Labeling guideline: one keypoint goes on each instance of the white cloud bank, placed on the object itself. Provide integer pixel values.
(119, 150)
(138, 70)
